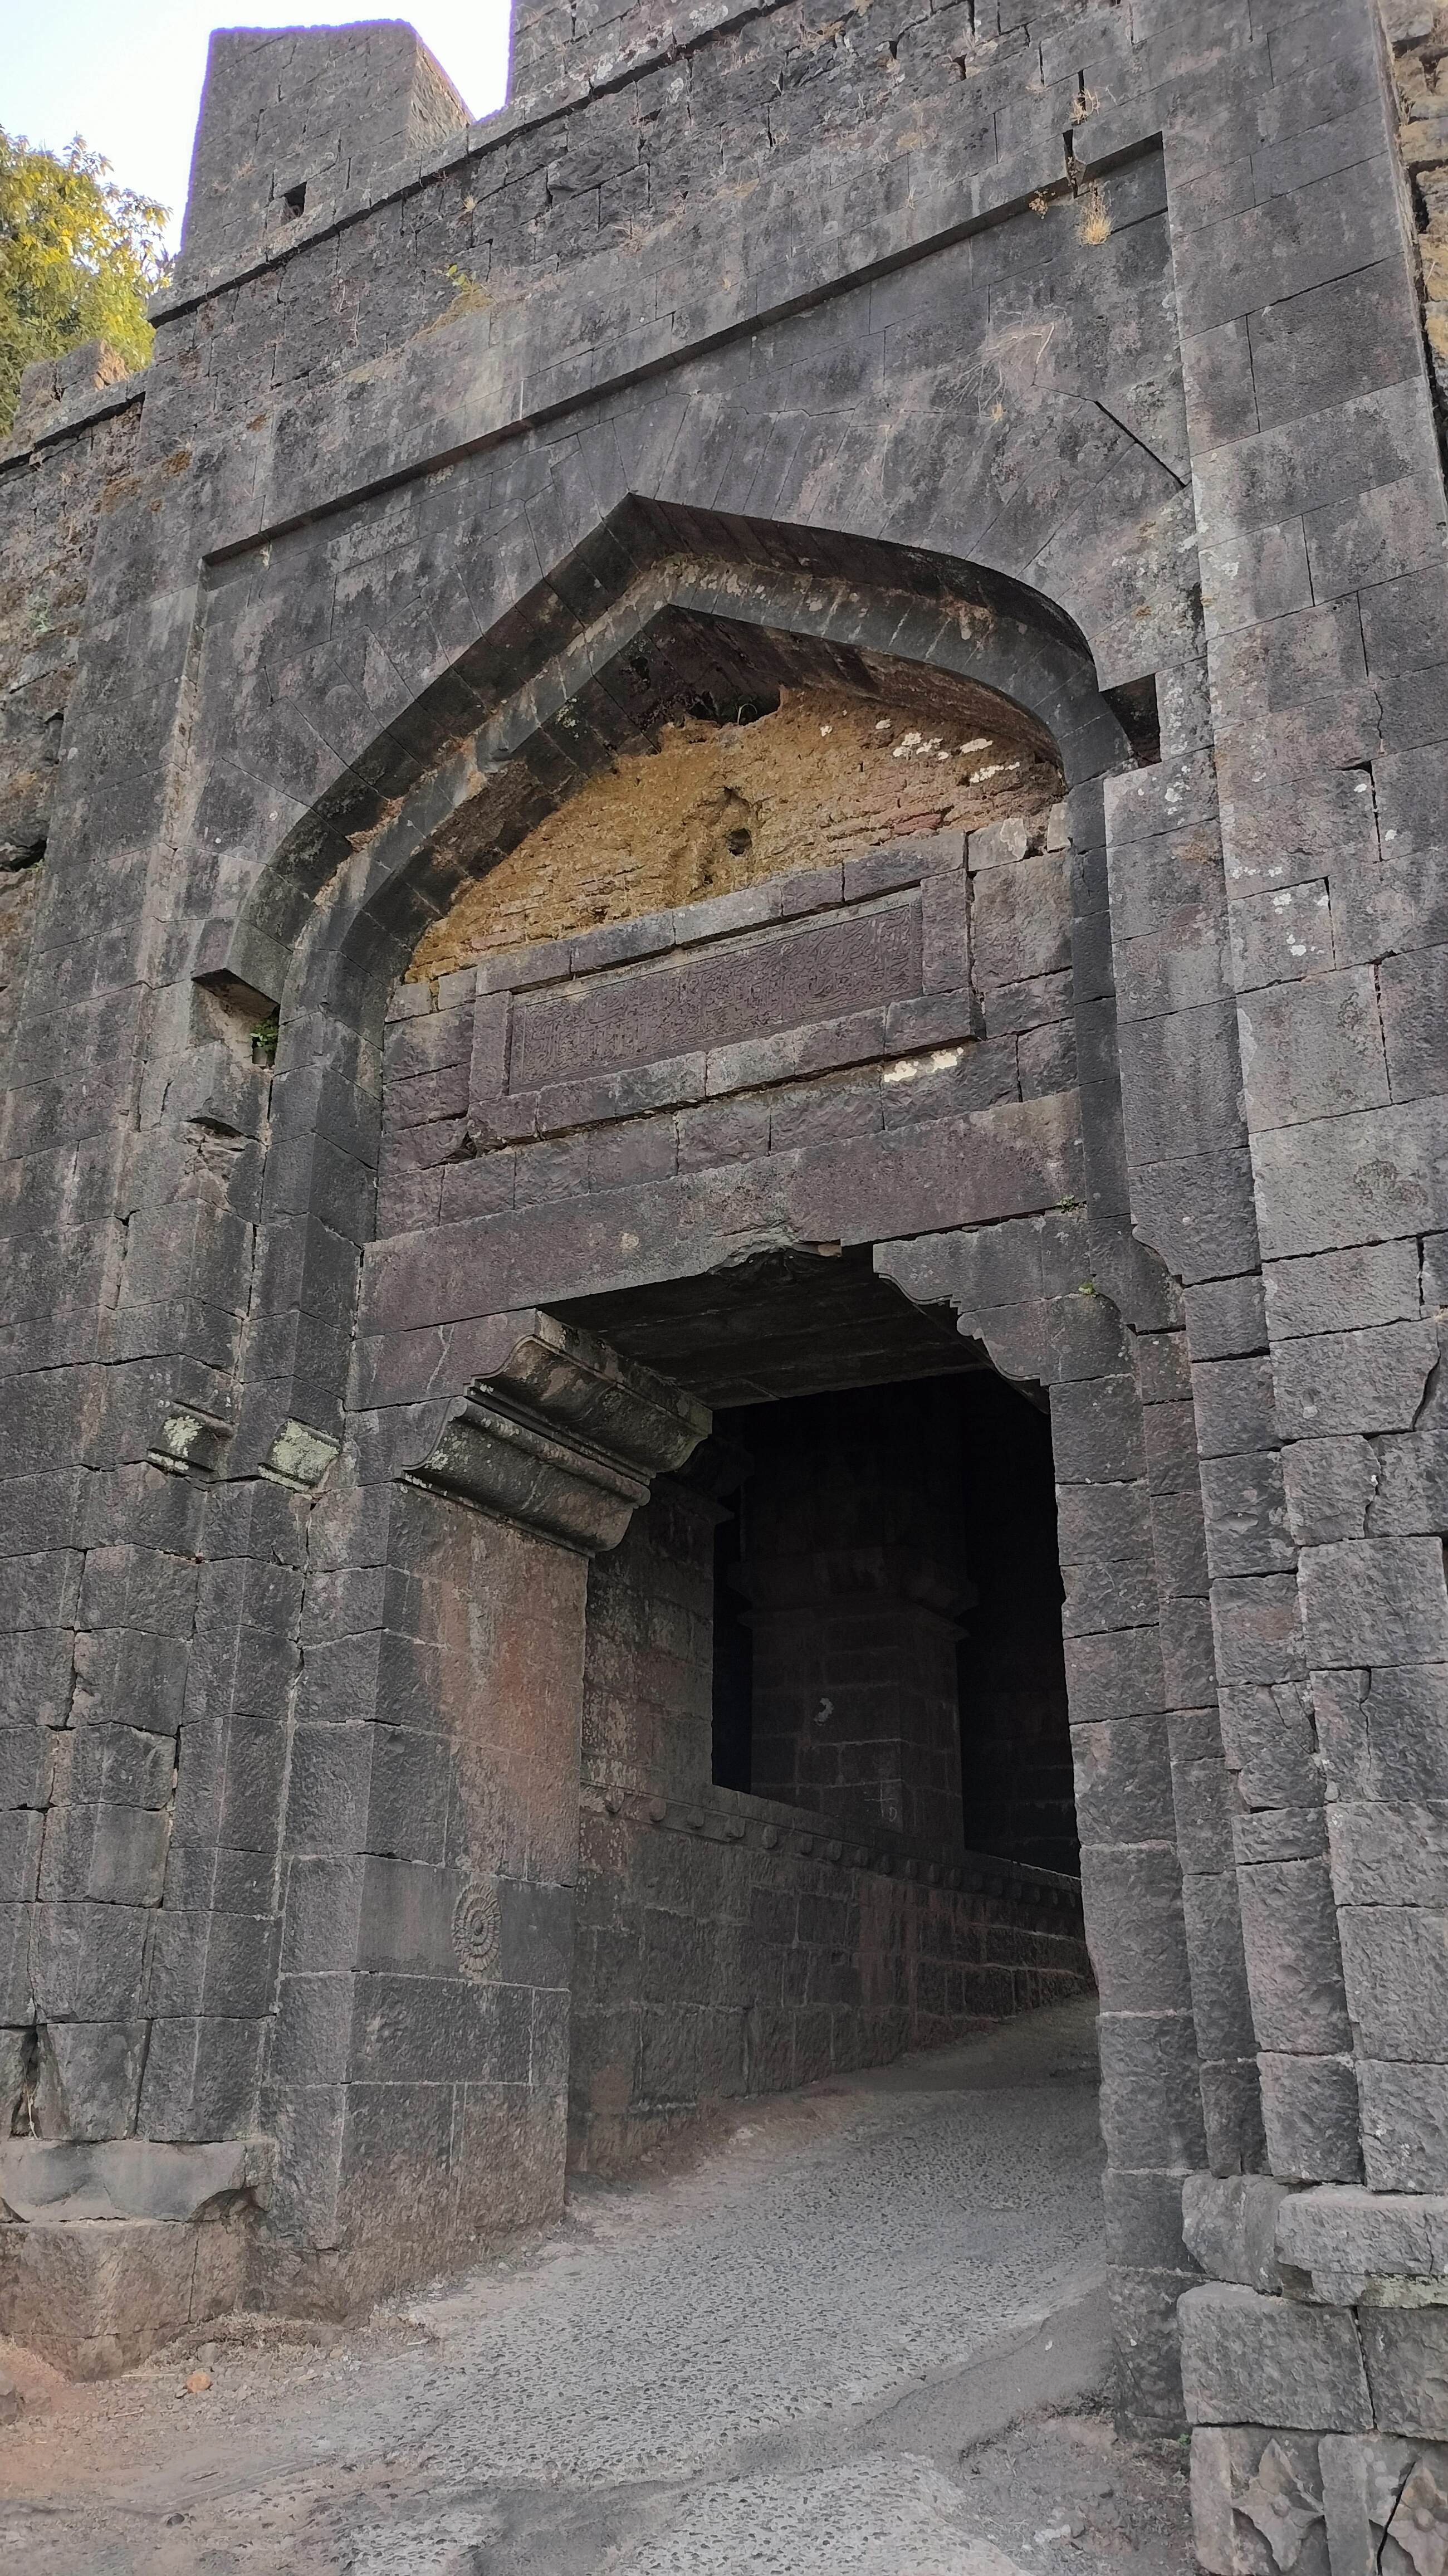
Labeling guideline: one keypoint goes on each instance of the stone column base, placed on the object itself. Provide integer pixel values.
(109, 2251)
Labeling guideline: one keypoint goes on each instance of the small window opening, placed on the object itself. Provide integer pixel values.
(1133, 703)
(294, 200)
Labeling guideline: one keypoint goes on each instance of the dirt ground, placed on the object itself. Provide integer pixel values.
(859, 2331)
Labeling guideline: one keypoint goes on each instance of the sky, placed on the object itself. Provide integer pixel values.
(127, 74)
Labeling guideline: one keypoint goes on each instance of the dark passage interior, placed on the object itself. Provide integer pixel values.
(887, 1593)
(827, 1803)
(887, 1616)
(1019, 1794)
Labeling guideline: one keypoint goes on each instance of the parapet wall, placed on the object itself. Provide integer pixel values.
(295, 121)
(736, 1947)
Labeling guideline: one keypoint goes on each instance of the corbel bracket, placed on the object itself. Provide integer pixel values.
(564, 1438)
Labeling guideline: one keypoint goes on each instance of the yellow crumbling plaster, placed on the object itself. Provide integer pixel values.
(719, 806)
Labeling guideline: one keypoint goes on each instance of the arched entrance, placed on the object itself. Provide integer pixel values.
(871, 1062)
(868, 1025)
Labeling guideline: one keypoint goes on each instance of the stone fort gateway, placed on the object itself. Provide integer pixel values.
(725, 1170)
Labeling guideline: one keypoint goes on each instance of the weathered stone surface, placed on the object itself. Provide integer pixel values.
(1406, 2351)
(1249, 2359)
(565, 742)
(714, 810)
(1341, 2238)
(1310, 2109)
(1229, 2227)
(98, 2296)
(1257, 2501)
(1382, 2494)
(1404, 2124)
(128, 2177)
(294, 121)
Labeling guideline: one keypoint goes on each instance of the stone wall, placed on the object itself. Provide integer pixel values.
(57, 476)
(1104, 390)
(1417, 33)
(294, 121)
(52, 491)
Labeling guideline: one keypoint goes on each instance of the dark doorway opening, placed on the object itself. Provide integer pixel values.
(887, 1593)
(887, 1616)
(824, 1722)
(1018, 1788)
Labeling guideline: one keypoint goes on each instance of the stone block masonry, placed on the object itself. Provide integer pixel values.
(468, 1028)
(737, 1946)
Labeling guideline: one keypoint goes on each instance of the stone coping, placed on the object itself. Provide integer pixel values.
(736, 1816)
(1330, 2244)
(83, 411)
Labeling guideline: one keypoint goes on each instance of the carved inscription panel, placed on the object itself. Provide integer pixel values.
(778, 977)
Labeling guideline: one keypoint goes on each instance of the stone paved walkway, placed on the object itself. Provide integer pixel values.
(804, 2353)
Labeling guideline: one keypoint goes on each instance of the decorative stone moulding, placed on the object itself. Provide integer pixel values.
(477, 1932)
(564, 1437)
(772, 1827)
(188, 1442)
(299, 1458)
(1339, 2505)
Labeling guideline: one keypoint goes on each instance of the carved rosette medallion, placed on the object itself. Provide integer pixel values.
(476, 1932)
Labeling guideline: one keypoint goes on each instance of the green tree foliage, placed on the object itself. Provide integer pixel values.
(78, 258)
